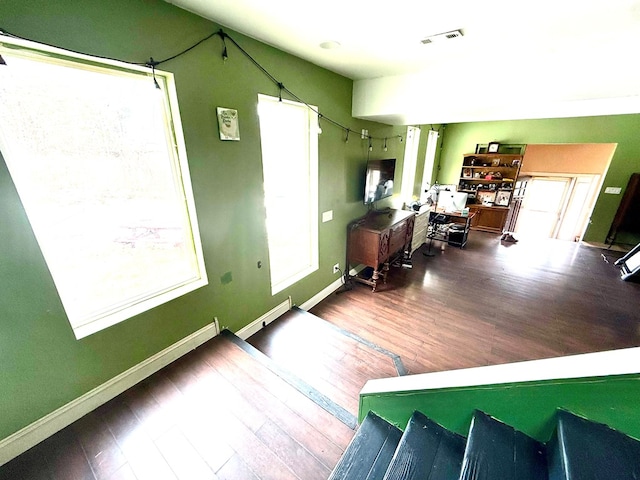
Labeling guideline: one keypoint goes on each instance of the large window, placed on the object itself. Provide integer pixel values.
(410, 162)
(97, 156)
(289, 140)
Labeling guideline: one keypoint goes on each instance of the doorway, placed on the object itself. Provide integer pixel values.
(557, 206)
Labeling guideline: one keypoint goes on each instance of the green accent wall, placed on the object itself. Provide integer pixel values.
(528, 406)
(43, 365)
(624, 130)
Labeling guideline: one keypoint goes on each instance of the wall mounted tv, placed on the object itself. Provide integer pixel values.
(379, 179)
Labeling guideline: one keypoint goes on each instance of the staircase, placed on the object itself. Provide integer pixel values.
(579, 449)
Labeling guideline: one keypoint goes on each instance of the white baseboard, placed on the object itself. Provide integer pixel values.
(321, 295)
(265, 319)
(317, 298)
(31, 435)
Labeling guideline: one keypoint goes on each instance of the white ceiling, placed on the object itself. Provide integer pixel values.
(548, 53)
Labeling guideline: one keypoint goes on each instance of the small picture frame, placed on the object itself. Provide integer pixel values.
(495, 162)
(493, 147)
(486, 197)
(466, 172)
(502, 198)
(228, 124)
(515, 163)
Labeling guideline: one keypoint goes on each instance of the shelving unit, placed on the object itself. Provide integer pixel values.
(489, 180)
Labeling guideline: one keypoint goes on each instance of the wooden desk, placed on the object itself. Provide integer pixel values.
(378, 238)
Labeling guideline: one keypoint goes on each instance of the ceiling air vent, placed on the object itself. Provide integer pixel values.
(442, 36)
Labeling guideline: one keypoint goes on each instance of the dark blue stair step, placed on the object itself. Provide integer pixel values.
(581, 449)
(426, 451)
(370, 451)
(498, 451)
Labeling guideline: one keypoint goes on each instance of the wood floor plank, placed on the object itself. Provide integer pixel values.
(223, 412)
(236, 469)
(490, 304)
(300, 460)
(123, 473)
(256, 382)
(182, 457)
(141, 453)
(65, 457)
(102, 451)
(315, 351)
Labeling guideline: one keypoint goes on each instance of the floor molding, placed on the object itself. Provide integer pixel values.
(265, 319)
(29, 436)
(322, 294)
(307, 390)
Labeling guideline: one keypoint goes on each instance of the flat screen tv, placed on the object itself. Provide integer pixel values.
(379, 179)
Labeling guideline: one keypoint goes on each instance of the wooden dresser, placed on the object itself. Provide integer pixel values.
(378, 238)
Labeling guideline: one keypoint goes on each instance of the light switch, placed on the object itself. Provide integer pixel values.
(327, 216)
(613, 190)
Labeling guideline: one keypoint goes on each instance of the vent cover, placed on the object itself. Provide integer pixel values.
(442, 36)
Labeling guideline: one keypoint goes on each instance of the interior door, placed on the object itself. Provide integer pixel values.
(542, 207)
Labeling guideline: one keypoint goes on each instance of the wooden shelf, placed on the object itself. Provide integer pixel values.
(489, 217)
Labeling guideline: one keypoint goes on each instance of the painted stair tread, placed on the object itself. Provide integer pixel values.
(592, 450)
(498, 451)
(427, 451)
(370, 451)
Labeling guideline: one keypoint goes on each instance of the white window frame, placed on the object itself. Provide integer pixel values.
(410, 163)
(283, 272)
(126, 307)
(429, 161)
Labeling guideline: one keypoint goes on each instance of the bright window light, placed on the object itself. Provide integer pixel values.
(97, 156)
(289, 140)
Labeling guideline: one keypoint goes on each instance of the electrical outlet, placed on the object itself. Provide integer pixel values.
(336, 268)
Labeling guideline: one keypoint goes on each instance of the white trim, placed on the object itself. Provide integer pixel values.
(412, 143)
(429, 162)
(324, 293)
(321, 295)
(265, 319)
(599, 364)
(85, 323)
(31, 435)
(285, 274)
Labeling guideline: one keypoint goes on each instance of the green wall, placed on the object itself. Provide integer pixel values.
(624, 130)
(43, 366)
(528, 406)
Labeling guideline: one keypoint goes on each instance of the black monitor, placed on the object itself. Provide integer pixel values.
(379, 179)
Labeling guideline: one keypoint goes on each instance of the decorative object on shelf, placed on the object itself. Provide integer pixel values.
(503, 198)
(495, 162)
(515, 163)
(503, 148)
(228, 124)
(493, 147)
(486, 197)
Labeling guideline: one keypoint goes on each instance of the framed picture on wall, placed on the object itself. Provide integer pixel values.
(228, 124)
(493, 147)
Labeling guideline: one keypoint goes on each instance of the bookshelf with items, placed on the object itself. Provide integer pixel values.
(488, 179)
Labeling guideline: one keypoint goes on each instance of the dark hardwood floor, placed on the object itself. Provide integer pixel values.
(219, 413)
(488, 304)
